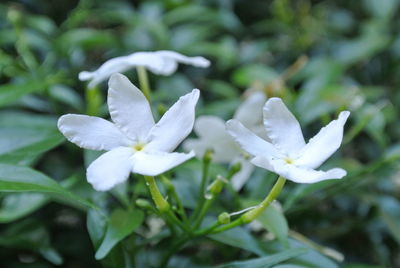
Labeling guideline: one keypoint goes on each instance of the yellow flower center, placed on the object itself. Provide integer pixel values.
(289, 161)
(138, 147)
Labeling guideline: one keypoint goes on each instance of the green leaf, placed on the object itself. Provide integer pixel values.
(96, 225)
(11, 92)
(240, 238)
(268, 261)
(121, 224)
(275, 222)
(24, 136)
(390, 214)
(24, 179)
(248, 74)
(16, 206)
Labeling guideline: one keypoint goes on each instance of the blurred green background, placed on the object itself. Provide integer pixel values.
(321, 57)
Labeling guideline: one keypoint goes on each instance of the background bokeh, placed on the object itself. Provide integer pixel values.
(321, 57)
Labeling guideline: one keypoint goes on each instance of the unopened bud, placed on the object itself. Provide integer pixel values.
(235, 168)
(208, 156)
(224, 218)
(143, 203)
(161, 109)
(14, 16)
(217, 185)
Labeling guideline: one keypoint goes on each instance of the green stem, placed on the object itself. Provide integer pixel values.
(255, 212)
(144, 82)
(203, 212)
(172, 191)
(174, 248)
(93, 101)
(204, 176)
(161, 204)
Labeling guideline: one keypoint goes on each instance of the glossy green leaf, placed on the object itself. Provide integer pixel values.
(24, 136)
(274, 220)
(16, 206)
(24, 179)
(122, 223)
(240, 238)
(10, 93)
(268, 261)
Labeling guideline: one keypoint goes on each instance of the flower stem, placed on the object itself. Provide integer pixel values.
(144, 82)
(206, 165)
(255, 212)
(93, 101)
(172, 191)
(161, 204)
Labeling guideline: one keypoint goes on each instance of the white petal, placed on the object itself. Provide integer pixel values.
(195, 61)
(213, 135)
(110, 169)
(306, 175)
(248, 141)
(156, 163)
(240, 178)
(249, 112)
(91, 132)
(324, 144)
(223, 150)
(129, 108)
(115, 65)
(175, 125)
(263, 162)
(296, 173)
(282, 127)
(153, 62)
(210, 127)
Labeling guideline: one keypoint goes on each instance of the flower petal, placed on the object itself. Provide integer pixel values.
(298, 174)
(156, 163)
(153, 62)
(240, 178)
(249, 142)
(91, 132)
(115, 65)
(175, 125)
(110, 169)
(210, 127)
(324, 144)
(172, 55)
(249, 112)
(282, 127)
(129, 108)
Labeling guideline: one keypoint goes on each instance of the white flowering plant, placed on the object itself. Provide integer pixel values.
(171, 134)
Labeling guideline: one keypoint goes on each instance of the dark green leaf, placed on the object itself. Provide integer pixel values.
(122, 223)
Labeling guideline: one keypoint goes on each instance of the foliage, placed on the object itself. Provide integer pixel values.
(321, 57)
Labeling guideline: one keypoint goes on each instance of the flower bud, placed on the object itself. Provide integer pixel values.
(224, 218)
(208, 156)
(143, 203)
(14, 16)
(235, 168)
(217, 185)
(161, 109)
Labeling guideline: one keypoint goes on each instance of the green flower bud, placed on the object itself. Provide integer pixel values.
(224, 218)
(208, 156)
(217, 185)
(143, 203)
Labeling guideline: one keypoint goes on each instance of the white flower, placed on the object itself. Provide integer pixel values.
(161, 62)
(288, 155)
(135, 143)
(213, 135)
